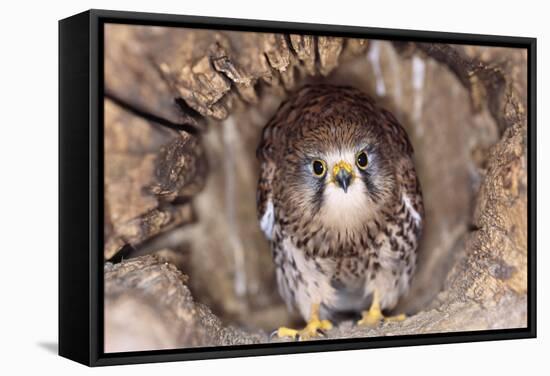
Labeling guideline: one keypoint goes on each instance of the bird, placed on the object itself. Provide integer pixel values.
(340, 202)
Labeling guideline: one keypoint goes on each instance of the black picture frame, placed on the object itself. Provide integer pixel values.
(81, 187)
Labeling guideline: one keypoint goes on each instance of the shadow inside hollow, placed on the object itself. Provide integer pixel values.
(51, 347)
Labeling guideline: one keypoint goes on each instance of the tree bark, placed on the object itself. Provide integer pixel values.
(178, 98)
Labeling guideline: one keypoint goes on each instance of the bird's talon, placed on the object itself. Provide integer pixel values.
(314, 328)
(396, 318)
(373, 317)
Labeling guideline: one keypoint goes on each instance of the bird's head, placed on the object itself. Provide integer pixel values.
(338, 164)
(345, 185)
(341, 184)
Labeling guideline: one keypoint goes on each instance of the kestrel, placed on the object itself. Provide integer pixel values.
(340, 203)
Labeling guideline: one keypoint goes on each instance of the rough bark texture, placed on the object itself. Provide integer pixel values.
(183, 116)
(147, 167)
(149, 307)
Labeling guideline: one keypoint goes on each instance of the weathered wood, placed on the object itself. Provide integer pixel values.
(329, 52)
(147, 166)
(149, 307)
(131, 78)
(151, 67)
(446, 96)
(180, 169)
(487, 84)
(304, 47)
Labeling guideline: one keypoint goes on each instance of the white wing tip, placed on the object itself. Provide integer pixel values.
(268, 220)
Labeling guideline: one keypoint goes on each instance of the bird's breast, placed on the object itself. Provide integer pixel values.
(345, 210)
(305, 279)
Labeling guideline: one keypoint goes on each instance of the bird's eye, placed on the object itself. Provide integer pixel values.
(362, 160)
(319, 168)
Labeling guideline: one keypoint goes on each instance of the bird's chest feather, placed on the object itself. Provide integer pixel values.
(334, 282)
(343, 276)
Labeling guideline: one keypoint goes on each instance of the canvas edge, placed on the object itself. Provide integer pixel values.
(74, 216)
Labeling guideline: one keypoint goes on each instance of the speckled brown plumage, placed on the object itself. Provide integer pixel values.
(334, 244)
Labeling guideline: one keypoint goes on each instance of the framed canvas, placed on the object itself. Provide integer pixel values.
(238, 187)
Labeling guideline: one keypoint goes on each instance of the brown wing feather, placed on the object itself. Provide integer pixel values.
(397, 133)
(272, 140)
(265, 154)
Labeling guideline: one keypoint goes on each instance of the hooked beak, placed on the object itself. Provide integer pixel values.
(343, 178)
(342, 175)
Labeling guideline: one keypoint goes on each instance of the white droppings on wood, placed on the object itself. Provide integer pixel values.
(396, 73)
(230, 138)
(418, 76)
(374, 58)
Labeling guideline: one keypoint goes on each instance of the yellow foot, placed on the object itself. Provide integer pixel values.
(374, 315)
(314, 328)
